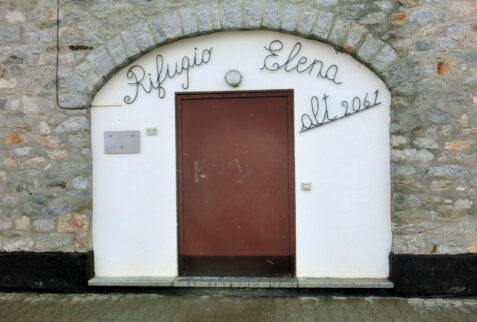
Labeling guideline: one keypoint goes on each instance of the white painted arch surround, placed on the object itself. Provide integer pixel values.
(343, 225)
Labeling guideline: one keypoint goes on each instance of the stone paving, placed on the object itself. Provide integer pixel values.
(155, 307)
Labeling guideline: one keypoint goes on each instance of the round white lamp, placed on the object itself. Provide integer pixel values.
(233, 77)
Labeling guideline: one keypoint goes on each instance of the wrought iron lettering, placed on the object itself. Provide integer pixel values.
(319, 117)
(295, 62)
(147, 82)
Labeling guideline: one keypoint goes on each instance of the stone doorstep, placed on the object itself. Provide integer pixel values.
(242, 282)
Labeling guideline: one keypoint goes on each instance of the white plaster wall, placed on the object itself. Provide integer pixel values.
(343, 225)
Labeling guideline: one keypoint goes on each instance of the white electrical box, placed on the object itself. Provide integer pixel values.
(306, 186)
(151, 131)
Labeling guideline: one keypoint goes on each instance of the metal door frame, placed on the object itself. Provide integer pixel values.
(289, 93)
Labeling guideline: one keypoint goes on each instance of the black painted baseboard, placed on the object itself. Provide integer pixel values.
(413, 275)
(48, 271)
(439, 275)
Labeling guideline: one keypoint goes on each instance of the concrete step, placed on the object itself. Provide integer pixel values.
(242, 282)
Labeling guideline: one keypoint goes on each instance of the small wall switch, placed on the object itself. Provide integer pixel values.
(306, 186)
(151, 131)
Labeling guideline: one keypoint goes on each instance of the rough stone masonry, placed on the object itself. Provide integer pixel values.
(424, 50)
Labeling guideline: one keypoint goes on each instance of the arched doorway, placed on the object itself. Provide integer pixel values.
(341, 152)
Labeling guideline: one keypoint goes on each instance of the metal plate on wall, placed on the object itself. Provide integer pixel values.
(121, 142)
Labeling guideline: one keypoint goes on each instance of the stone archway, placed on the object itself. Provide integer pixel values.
(97, 67)
(349, 206)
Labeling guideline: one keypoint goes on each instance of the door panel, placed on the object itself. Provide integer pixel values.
(236, 189)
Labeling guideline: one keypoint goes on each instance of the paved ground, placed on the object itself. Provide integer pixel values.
(153, 307)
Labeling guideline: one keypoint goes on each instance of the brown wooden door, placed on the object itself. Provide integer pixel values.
(236, 183)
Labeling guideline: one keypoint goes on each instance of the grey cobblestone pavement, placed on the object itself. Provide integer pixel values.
(153, 307)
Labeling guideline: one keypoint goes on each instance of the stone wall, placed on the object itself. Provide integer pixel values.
(424, 50)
